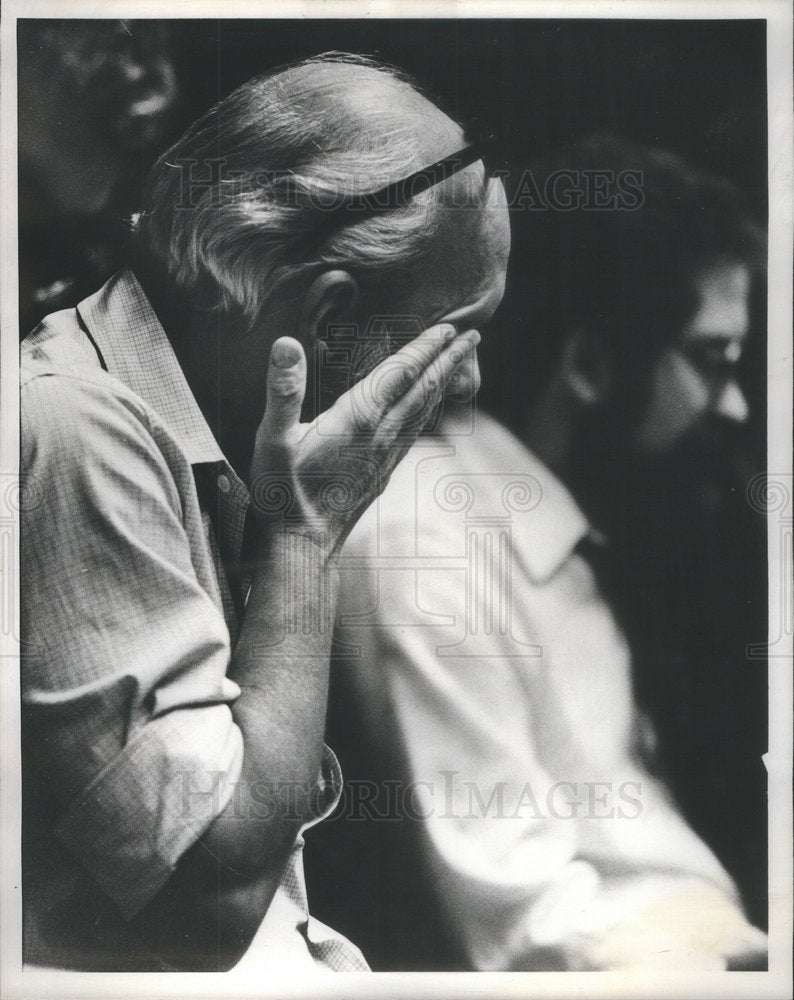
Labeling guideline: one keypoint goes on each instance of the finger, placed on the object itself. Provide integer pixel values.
(410, 414)
(374, 395)
(464, 384)
(426, 393)
(286, 387)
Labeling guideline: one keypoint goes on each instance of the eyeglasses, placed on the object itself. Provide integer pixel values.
(716, 361)
(397, 194)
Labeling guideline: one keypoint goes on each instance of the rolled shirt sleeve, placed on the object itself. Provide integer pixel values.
(124, 687)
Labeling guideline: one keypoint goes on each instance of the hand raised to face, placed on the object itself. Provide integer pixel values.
(317, 479)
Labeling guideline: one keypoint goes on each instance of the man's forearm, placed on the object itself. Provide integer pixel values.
(214, 902)
(281, 664)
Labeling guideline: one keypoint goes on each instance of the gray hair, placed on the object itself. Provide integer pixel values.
(239, 205)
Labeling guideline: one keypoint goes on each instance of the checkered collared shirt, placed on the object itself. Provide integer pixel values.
(130, 749)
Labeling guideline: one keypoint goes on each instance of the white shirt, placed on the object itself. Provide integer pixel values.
(492, 661)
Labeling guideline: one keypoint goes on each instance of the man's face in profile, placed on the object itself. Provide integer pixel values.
(693, 385)
(679, 436)
(460, 280)
(463, 279)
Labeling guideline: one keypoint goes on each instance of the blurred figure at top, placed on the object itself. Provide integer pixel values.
(96, 101)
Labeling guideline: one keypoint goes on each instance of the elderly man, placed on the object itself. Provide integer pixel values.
(477, 622)
(179, 583)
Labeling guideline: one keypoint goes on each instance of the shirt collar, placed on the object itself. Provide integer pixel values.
(551, 530)
(135, 349)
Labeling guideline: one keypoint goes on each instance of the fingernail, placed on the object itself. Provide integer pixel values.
(448, 332)
(473, 336)
(285, 354)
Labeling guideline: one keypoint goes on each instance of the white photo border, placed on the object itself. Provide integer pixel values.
(18, 982)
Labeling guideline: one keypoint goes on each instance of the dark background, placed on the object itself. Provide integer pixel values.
(697, 87)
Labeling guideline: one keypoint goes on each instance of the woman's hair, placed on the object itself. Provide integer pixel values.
(242, 203)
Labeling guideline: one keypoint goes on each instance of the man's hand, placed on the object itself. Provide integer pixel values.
(313, 480)
(318, 478)
(695, 926)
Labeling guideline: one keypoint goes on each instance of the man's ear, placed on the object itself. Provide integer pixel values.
(332, 298)
(586, 369)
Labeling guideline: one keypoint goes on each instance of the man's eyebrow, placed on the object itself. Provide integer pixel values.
(479, 306)
(715, 336)
(725, 349)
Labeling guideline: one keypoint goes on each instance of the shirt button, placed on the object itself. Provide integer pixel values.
(224, 485)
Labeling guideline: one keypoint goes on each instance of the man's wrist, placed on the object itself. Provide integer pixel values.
(304, 542)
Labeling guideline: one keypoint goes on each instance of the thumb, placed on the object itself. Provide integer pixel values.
(286, 387)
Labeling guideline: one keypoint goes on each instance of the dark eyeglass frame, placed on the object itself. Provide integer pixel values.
(397, 194)
(714, 373)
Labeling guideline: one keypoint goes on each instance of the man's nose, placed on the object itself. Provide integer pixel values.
(131, 68)
(731, 404)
